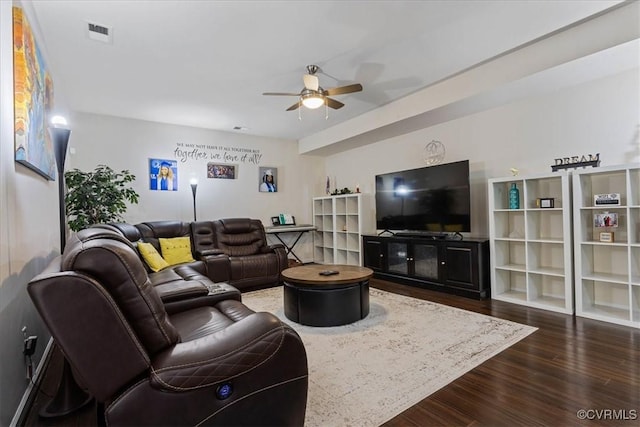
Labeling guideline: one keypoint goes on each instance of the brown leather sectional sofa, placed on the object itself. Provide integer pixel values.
(233, 251)
(167, 353)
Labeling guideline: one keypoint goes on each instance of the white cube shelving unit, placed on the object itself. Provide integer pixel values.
(607, 273)
(531, 249)
(340, 220)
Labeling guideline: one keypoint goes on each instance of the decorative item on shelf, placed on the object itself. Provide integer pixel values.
(328, 186)
(606, 237)
(606, 220)
(357, 188)
(576, 162)
(345, 190)
(611, 199)
(545, 202)
(514, 197)
(514, 171)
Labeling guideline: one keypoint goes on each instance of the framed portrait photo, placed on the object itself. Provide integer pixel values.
(163, 175)
(268, 179)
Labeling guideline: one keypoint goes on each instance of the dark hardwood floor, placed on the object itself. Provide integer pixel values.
(570, 364)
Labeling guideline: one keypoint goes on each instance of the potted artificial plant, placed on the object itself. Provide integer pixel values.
(97, 197)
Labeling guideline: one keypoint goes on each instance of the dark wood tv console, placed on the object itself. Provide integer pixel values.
(455, 266)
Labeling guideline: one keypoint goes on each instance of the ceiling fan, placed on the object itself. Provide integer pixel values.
(313, 96)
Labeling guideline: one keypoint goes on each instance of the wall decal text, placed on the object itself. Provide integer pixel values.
(195, 152)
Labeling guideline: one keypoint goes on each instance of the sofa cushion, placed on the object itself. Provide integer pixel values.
(240, 236)
(176, 250)
(151, 257)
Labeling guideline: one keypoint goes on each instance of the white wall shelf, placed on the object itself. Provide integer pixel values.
(340, 220)
(531, 249)
(607, 273)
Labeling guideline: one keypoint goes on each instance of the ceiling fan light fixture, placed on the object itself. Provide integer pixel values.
(312, 100)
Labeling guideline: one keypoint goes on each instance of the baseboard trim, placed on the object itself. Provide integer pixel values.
(28, 397)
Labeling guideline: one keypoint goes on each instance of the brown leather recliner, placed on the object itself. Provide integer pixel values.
(233, 250)
(180, 286)
(252, 262)
(216, 364)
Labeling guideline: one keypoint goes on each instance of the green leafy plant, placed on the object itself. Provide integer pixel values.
(97, 197)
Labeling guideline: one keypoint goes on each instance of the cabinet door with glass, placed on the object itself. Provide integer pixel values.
(398, 257)
(374, 254)
(424, 257)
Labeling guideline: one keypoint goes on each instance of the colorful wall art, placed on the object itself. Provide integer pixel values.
(33, 99)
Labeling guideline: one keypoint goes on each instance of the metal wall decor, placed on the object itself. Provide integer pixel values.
(434, 153)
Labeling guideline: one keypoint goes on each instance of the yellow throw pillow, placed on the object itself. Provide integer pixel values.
(176, 250)
(151, 256)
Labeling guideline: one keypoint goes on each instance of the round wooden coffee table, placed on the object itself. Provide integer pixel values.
(313, 299)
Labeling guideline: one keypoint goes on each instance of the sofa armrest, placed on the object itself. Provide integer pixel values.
(208, 252)
(178, 290)
(281, 253)
(272, 248)
(217, 292)
(218, 267)
(226, 354)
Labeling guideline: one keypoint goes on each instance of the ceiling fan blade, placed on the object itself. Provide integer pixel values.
(294, 106)
(357, 87)
(333, 103)
(311, 82)
(281, 93)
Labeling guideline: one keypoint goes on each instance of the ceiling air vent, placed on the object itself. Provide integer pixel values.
(99, 32)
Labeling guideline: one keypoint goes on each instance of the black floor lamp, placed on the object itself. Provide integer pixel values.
(69, 396)
(194, 187)
(60, 138)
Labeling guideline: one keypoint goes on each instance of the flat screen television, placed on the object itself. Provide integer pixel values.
(431, 199)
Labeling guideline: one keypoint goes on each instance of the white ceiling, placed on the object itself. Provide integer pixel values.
(207, 63)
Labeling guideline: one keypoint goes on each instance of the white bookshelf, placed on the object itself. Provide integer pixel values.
(531, 247)
(340, 220)
(607, 273)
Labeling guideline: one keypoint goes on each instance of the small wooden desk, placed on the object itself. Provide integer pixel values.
(315, 300)
(280, 229)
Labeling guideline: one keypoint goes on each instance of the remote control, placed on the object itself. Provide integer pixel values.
(328, 272)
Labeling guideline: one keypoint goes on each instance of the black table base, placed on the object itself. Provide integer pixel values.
(326, 305)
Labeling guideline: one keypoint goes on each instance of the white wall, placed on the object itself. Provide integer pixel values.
(128, 144)
(601, 116)
(29, 238)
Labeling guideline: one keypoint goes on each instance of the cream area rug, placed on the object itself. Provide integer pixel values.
(365, 373)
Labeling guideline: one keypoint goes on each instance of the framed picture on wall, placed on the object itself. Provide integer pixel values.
(221, 171)
(268, 179)
(163, 175)
(33, 100)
